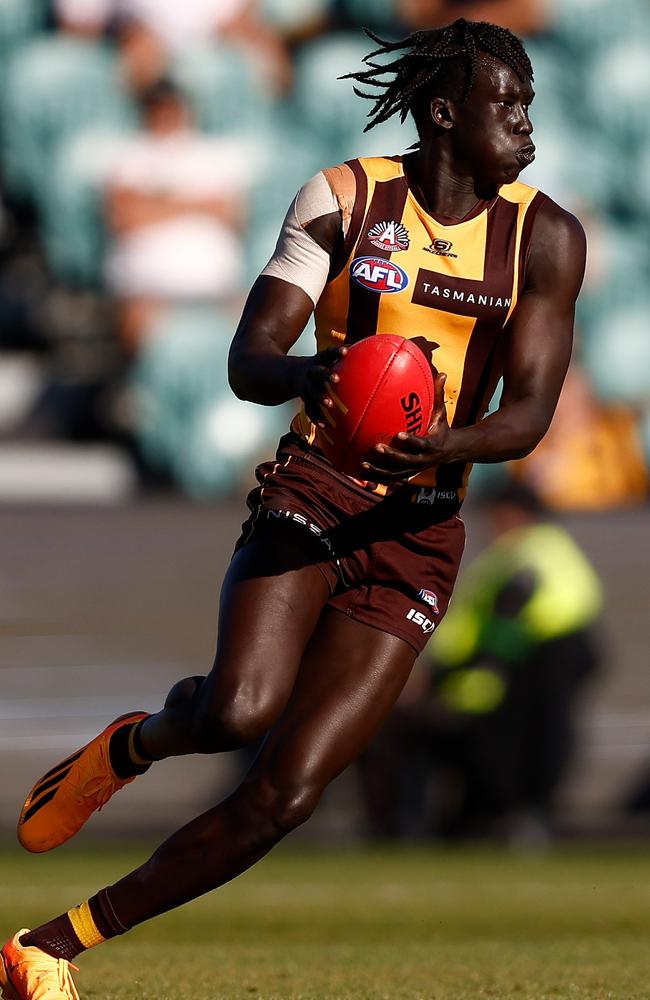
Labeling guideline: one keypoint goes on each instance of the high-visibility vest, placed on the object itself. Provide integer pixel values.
(567, 595)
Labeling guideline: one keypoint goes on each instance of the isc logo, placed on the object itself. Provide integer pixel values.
(418, 618)
(378, 275)
(413, 410)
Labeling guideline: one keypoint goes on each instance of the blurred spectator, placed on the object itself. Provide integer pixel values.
(496, 723)
(400, 16)
(592, 456)
(87, 18)
(155, 31)
(175, 209)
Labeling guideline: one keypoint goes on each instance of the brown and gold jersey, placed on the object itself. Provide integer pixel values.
(451, 287)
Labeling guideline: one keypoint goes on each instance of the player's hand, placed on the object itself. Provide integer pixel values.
(313, 380)
(409, 454)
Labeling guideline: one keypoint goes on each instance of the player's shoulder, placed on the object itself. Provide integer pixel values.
(551, 221)
(557, 249)
(558, 233)
(558, 224)
(343, 177)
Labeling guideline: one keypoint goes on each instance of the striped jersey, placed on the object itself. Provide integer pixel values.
(450, 287)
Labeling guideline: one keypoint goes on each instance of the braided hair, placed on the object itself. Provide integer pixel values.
(430, 57)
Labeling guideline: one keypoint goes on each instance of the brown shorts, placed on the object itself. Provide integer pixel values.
(390, 562)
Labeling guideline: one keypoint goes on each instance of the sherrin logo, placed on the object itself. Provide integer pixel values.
(378, 275)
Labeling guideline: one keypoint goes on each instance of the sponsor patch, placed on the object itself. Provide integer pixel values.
(378, 275)
(431, 599)
(391, 236)
(418, 618)
(441, 248)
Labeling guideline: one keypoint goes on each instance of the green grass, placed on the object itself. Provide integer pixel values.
(367, 926)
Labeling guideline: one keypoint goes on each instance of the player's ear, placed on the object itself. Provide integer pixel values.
(442, 112)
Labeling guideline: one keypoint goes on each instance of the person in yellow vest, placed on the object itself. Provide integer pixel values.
(516, 648)
(482, 749)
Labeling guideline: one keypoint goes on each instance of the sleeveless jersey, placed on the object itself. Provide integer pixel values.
(452, 288)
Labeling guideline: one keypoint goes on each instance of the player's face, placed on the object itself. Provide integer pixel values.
(492, 128)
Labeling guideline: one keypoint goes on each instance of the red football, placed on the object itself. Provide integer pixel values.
(386, 386)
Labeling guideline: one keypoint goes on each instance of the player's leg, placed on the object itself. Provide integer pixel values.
(273, 592)
(271, 600)
(349, 679)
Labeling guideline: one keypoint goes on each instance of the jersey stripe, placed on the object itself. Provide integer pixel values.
(344, 249)
(387, 202)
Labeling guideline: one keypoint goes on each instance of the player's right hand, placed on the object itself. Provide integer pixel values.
(314, 377)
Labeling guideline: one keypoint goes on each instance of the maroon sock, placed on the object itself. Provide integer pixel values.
(81, 928)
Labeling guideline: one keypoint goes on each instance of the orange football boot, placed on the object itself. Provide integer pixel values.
(66, 797)
(32, 974)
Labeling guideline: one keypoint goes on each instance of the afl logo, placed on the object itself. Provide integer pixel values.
(378, 275)
(390, 236)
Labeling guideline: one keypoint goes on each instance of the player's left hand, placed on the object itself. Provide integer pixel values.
(409, 454)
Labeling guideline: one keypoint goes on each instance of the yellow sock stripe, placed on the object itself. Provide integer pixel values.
(84, 926)
(135, 757)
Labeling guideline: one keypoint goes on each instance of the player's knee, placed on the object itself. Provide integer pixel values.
(183, 691)
(283, 806)
(294, 807)
(234, 723)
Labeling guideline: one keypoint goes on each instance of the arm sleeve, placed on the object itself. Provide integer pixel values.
(298, 258)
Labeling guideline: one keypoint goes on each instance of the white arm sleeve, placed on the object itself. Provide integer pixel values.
(298, 258)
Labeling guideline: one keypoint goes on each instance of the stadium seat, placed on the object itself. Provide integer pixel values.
(326, 105)
(224, 87)
(616, 353)
(641, 181)
(54, 86)
(587, 25)
(19, 19)
(618, 266)
(189, 423)
(618, 90)
(289, 18)
(286, 156)
(378, 15)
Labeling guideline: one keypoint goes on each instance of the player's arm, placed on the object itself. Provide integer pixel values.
(539, 341)
(279, 306)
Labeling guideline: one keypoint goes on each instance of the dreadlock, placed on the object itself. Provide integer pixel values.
(426, 57)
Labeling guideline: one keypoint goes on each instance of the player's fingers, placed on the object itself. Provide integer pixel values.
(390, 459)
(439, 392)
(331, 355)
(414, 444)
(376, 474)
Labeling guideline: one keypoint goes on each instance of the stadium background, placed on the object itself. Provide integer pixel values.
(123, 457)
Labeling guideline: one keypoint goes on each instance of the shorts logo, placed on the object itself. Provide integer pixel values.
(441, 248)
(418, 618)
(289, 515)
(430, 495)
(390, 236)
(378, 275)
(430, 598)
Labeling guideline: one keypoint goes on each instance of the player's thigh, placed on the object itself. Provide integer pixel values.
(271, 600)
(349, 679)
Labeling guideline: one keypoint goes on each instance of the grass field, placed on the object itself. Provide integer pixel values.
(367, 926)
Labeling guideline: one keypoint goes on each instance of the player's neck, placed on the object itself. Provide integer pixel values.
(440, 188)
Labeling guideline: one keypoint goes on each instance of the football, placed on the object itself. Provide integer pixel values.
(385, 386)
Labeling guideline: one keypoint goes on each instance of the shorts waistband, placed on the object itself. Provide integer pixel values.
(446, 501)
